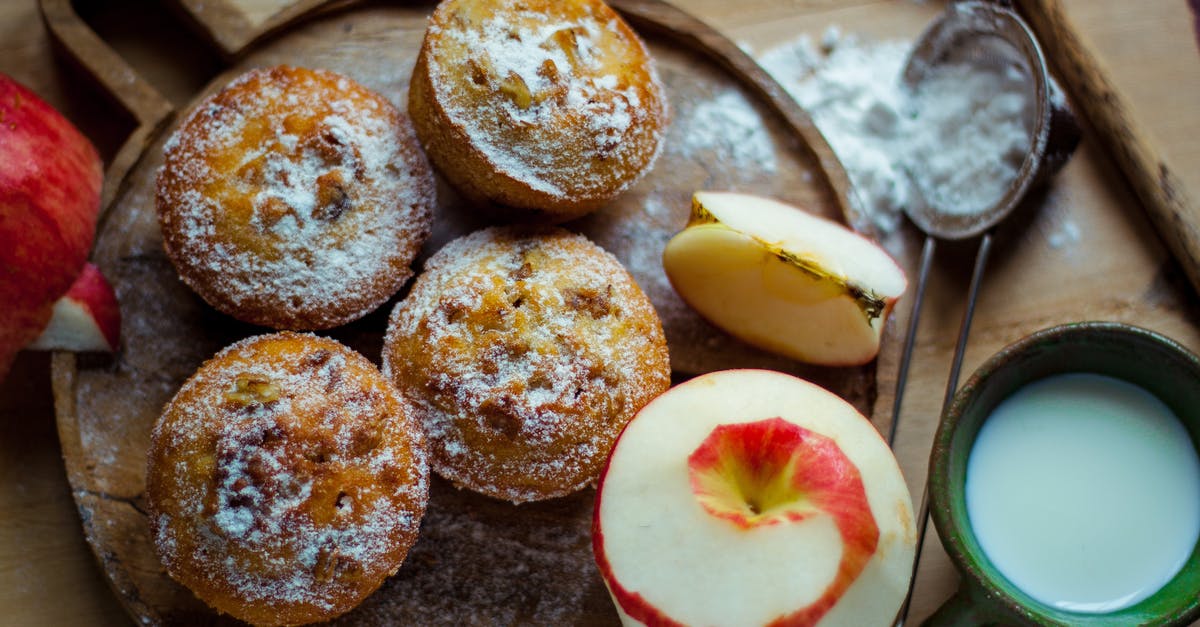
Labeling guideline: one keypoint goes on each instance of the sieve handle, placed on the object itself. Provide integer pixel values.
(960, 349)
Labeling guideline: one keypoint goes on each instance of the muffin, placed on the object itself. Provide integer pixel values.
(524, 351)
(546, 108)
(286, 480)
(294, 199)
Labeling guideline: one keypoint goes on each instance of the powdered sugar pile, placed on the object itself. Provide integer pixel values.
(852, 94)
(959, 141)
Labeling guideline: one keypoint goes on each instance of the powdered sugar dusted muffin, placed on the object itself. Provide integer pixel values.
(548, 108)
(525, 351)
(294, 198)
(286, 480)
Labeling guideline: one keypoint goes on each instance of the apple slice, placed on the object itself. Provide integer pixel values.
(751, 497)
(86, 318)
(783, 279)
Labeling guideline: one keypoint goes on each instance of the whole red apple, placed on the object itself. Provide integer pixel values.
(50, 177)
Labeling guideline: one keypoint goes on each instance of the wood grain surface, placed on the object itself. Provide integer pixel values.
(731, 128)
(1084, 252)
(1171, 208)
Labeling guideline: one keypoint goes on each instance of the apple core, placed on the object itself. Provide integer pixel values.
(750, 473)
(774, 471)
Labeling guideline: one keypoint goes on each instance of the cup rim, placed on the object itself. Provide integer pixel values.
(954, 530)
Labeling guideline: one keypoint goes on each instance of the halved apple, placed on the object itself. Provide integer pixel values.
(751, 497)
(783, 279)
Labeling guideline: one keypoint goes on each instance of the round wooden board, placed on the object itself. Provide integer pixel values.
(477, 561)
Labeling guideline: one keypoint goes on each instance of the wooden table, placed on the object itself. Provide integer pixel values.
(1089, 254)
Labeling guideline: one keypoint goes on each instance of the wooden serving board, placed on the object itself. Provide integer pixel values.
(1085, 251)
(477, 561)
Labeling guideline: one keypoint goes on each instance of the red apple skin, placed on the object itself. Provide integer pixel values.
(101, 331)
(632, 603)
(94, 293)
(50, 177)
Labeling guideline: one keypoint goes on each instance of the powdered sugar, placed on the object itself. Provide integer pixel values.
(263, 494)
(551, 96)
(727, 124)
(853, 96)
(961, 138)
(523, 46)
(538, 341)
(482, 562)
(976, 128)
(311, 209)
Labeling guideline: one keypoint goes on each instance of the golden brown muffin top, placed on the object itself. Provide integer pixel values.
(553, 92)
(286, 479)
(296, 198)
(525, 352)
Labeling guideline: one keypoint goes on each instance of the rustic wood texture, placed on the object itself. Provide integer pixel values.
(233, 26)
(1083, 251)
(233, 29)
(467, 542)
(1171, 209)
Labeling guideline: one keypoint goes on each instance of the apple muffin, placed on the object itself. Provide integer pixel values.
(525, 351)
(295, 199)
(546, 108)
(286, 480)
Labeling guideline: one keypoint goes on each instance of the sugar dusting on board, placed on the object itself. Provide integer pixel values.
(958, 141)
(480, 562)
(728, 125)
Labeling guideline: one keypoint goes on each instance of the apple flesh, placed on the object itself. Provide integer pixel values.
(86, 318)
(751, 497)
(50, 177)
(783, 279)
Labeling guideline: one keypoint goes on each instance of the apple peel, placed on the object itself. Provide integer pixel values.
(86, 319)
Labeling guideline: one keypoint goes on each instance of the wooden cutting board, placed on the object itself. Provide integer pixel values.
(1084, 253)
(477, 561)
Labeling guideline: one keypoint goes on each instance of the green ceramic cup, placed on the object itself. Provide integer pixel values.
(1156, 363)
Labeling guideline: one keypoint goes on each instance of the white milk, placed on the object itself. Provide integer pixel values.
(1084, 491)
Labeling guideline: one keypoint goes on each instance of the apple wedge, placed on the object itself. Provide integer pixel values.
(783, 279)
(751, 497)
(85, 319)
